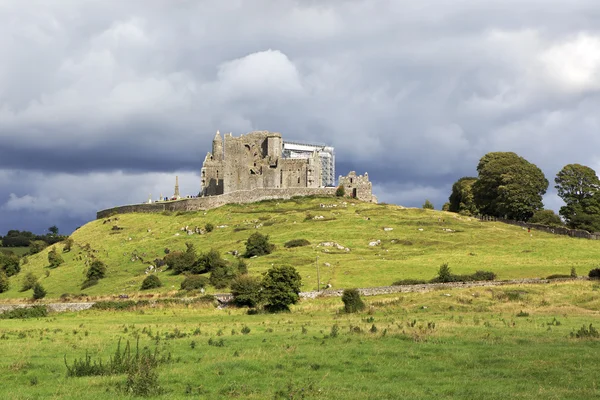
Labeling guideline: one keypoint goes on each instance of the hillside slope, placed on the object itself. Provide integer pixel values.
(418, 243)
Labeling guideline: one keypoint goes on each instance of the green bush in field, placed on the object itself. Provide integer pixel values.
(209, 227)
(96, 271)
(25, 312)
(401, 282)
(258, 245)
(208, 262)
(194, 282)
(222, 275)
(151, 282)
(28, 282)
(340, 191)
(68, 245)
(296, 243)
(281, 285)
(38, 291)
(54, 258)
(246, 291)
(10, 264)
(242, 267)
(594, 273)
(4, 282)
(352, 301)
(180, 262)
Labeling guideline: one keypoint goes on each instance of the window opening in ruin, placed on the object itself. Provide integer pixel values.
(247, 146)
(350, 180)
(354, 193)
(281, 178)
(298, 179)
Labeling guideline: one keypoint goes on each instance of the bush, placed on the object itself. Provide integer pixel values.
(10, 264)
(221, 276)
(258, 245)
(181, 262)
(482, 276)
(25, 312)
(246, 291)
(242, 267)
(29, 282)
(594, 273)
(428, 205)
(208, 262)
(585, 332)
(36, 246)
(409, 282)
(281, 286)
(89, 283)
(96, 271)
(352, 301)
(194, 282)
(559, 276)
(209, 227)
(573, 272)
(340, 191)
(444, 275)
(296, 243)
(4, 282)
(54, 259)
(151, 282)
(38, 291)
(68, 244)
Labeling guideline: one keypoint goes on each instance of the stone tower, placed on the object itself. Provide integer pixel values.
(176, 194)
(217, 147)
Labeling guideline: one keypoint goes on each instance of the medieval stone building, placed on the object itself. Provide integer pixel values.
(255, 161)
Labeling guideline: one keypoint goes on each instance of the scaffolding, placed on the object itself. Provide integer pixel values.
(295, 149)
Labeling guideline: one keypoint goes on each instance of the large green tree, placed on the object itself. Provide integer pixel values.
(579, 187)
(508, 185)
(281, 285)
(461, 199)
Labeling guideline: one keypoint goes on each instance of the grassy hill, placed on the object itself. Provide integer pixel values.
(418, 243)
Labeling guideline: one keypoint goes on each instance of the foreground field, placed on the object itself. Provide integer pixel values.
(414, 245)
(509, 342)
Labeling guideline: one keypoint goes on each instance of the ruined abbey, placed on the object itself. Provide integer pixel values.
(258, 166)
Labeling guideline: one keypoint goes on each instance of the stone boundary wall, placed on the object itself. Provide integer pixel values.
(556, 230)
(208, 202)
(224, 298)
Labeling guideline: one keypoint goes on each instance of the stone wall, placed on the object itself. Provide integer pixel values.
(209, 202)
(556, 230)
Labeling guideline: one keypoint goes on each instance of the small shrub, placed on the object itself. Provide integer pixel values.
(428, 205)
(96, 271)
(444, 275)
(4, 282)
(151, 282)
(586, 332)
(245, 330)
(54, 259)
(352, 301)
(209, 227)
(25, 312)
(68, 245)
(242, 267)
(194, 282)
(594, 273)
(258, 245)
(573, 272)
(246, 291)
(373, 329)
(296, 243)
(522, 314)
(335, 331)
(483, 276)
(340, 191)
(558, 276)
(29, 282)
(409, 282)
(38, 291)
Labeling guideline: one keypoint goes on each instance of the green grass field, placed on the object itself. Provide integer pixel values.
(20, 251)
(508, 342)
(421, 240)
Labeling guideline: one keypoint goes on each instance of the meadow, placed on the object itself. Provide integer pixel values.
(513, 341)
(413, 243)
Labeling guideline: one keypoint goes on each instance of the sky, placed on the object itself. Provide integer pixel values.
(104, 102)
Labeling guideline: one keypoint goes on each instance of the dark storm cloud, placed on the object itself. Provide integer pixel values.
(103, 103)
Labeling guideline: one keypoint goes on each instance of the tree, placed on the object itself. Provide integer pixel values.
(10, 263)
(508, 185)
(208, 262)
(461, 199)
(96, 271)
(151, 282)
(546, 217)
(36, 246)
(428, 205)
(258, 245)
(352, 301)
(68, 244)
(578, 186)
(281, 285)
(221, 276)
(4, 282)
(340, 191)
(38, 291)
(29, 282)
(180, 261)
(53, 230)
(54, 258)
(246, 291)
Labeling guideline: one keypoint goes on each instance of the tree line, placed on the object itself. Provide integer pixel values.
(508, 186)
(16, 238)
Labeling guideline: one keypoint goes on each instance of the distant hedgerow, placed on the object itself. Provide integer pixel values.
(296, 243)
